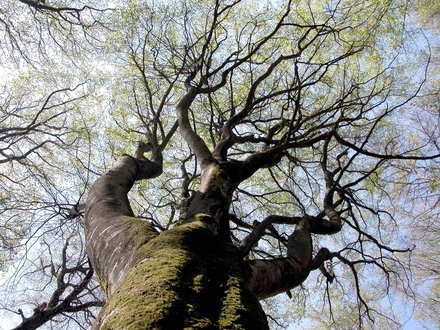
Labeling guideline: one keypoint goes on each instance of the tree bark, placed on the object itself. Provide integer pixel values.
(190, 276)
(184, 278)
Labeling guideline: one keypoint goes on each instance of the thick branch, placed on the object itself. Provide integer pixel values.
(196, 143)
(263, 159)
(270, 277)
(272, 156)
(318, 225)
(334, 224)
(112, 232)
(249, 241)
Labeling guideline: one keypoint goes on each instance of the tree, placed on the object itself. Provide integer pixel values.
(295, 115)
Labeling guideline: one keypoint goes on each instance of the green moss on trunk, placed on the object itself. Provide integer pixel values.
(185, 278)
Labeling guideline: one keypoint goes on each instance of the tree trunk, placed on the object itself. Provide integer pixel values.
(185, 278)
(190, 276)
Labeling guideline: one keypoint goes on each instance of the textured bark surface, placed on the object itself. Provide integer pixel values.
(184, 278)
(112, 232)
(271, 277)
(190, 276)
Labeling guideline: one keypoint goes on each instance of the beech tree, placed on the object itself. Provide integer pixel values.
(262, 145)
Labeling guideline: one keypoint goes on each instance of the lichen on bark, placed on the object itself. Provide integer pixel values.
(185, 278)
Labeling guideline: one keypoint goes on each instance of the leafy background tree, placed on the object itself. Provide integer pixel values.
(83, 84)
